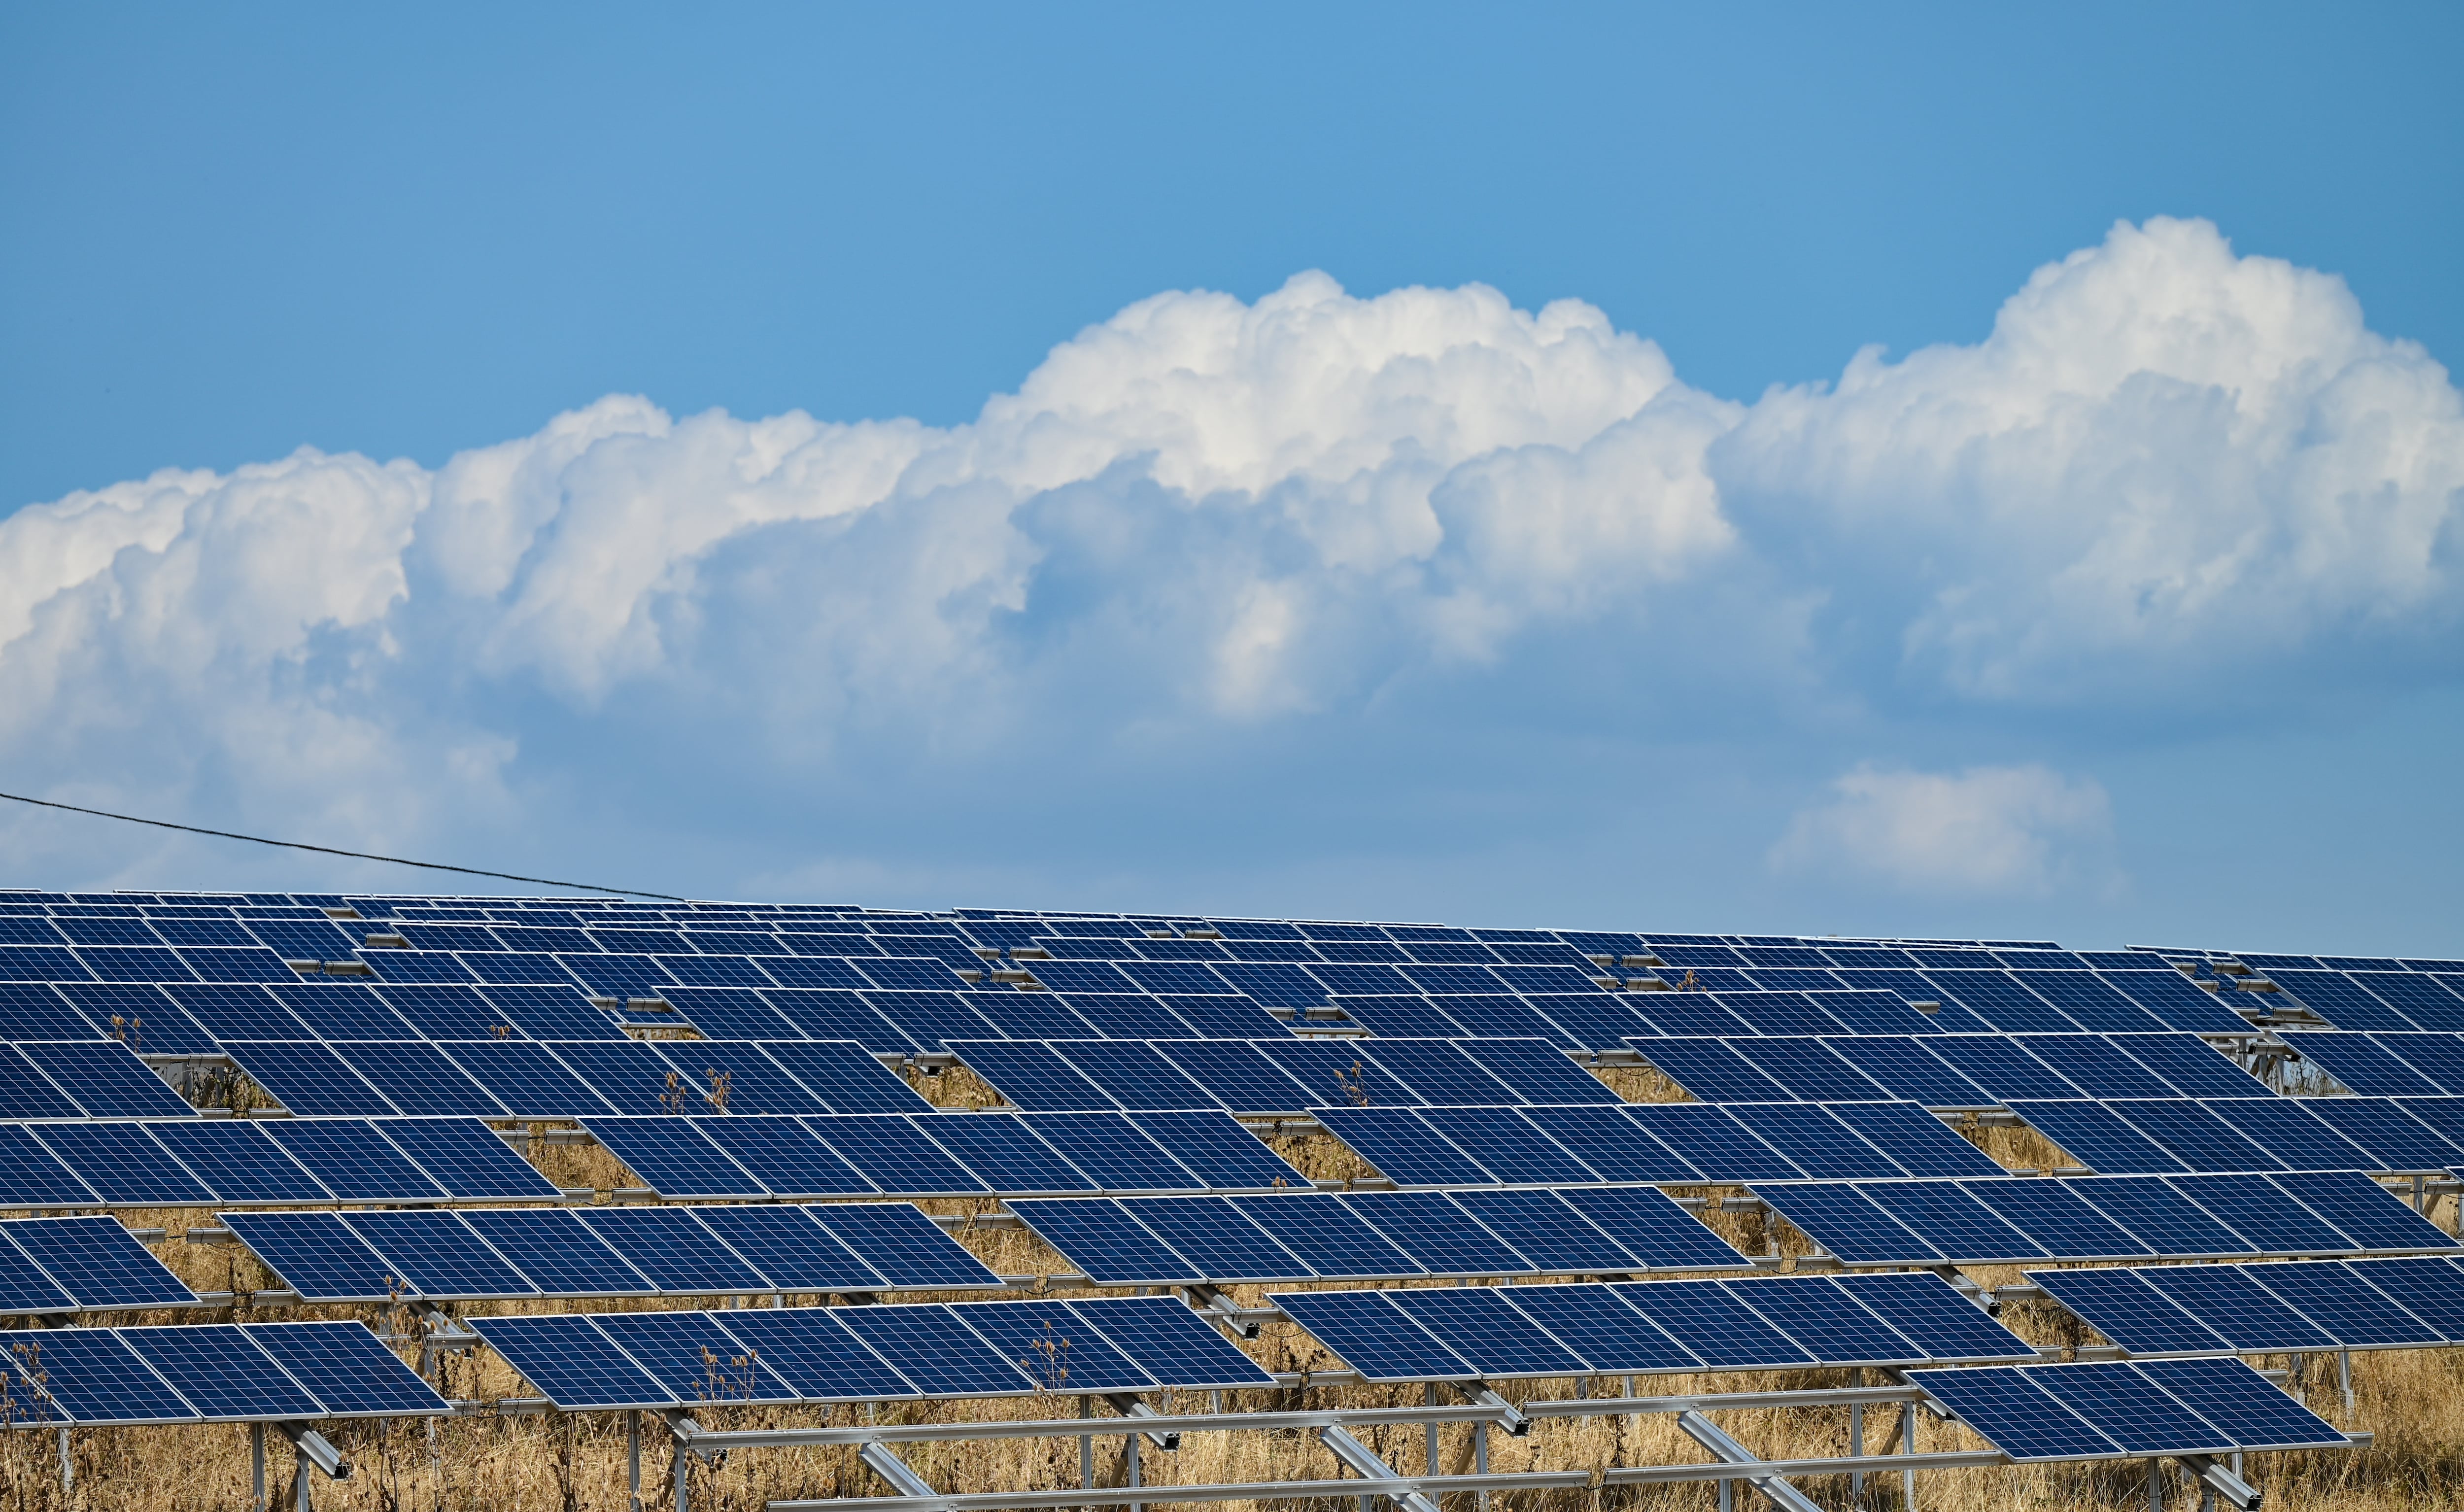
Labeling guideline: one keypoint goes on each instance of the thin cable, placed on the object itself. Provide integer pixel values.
(328, 850)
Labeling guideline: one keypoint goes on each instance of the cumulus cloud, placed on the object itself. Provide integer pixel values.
(2023, 830)
(1203, 520)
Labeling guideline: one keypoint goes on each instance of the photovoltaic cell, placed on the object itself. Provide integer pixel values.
(1833, 1328)
(441, 1257)
(557, 1252)
(106, 1078)
(2008, 1410)
(2123, 1306)
(571, 1363)
(1713, 1143)
(1369, 1334)
(815, 1354)
(1549, 1233)
(1101, 1239)
(92, 1376)
(416, 1078)
(785, 1156)
(2097, 1138)
(1326, 1235)
(221, 1372)
(1846, 1222)
(1219, 1239)
(1113, 1152)
(352, 1160)
(2369, 1214)
(2336, 1298)
(1402, 1146)
(2129, 1408)
(672, 1248)
(237, 1162)
(1004, 1153)
(1612, 1143)
(1713, 1322)
(318, 1257)
(1597, 1324)
(2239, 1398)
(1167, 1341)
(695, 1359)
(97, 1262)
(1650, 1226)
(898, 1241)
(1932, 1314)
(1484, 1330)
(931, 1347)
(2229, 1302)
(1509, 1149)
(1056, 1348)
(124, 1164)
(1440, 1237)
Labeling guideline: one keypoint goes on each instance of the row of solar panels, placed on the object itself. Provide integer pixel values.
(1375, 1236)
(1668, 1142)
(91, 1264)
(2385, 1064)
(2061, 1413)
(2379, 1000)
(2268, 1309)
(519, 1254)
(1949, 1071)
(1481, 1333)
(1273, 1075)
(221, 1372)
(2143, 1137)
(2018, 1219)
(284, 1162)
(932, 1350)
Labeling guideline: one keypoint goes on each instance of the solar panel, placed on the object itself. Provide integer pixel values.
(1511, 1149)
(2129, 1408)
(1166, 1340)
(1819, 1144)
(308, 1079)
(1650, 1226)
(1101, 1239)
(1113, 1152)
(783, 1156)
(634, 1077)
(1930, 1313)
(1056, 1348)
(2287, 1124)
(1915, 1138)
(1594, 1322)
(2429, 1288)
(236, 1160)
(1832, 1326)
(2440, 1057)
(2191, 1065)
(2369, 1215)
(124, 1164)
(1484, 1329)
(835, 1014)
(525, 1078)
(2000, 1066)
(442, 1011)
(2229, 1304)
(2198, 1137)
(2096, 1065)
(2008, 1410)
(694, 1358)
(2122, 1305)
(816, 1356)
(2097, 1138)
(1713, 1322)
(1328, 1236)
(1612, 1143)
(35, 1010)
(25, 1288)
(928, 1346)
(2057, 1221)
(1808, 1069)
(1004, 1153)
(845, 1077)
(221, 1374)
(670, 1155)
(2232, 1393)
(352, 1160)
(1710, 1069)
(1439, 1236)
(106, 1078)
(557, 1252)
(1369, 1334)
(318, 1257)
(441, 1257)
(2393, 1140)
(1550, 1234)
(90, 1376)
(97, 1262)
(2160, 1218)
(1031, 1076)
(416, 1078)
(1235, 1076)
(1217, 1238)
(343, 1366)
(333, 1009)
(670, 1246)
(1438, 1072)
(1537, 1070)
(467, 1159)
(895, 1155)
(2332, 1295)
(1708, 1139)
(1904, 1069)
(2257, 1209)
(1402, 1146)
(1848, 1222)
(571, 1363)
(909, 1250)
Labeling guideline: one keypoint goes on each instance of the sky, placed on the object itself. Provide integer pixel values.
(1918, 471)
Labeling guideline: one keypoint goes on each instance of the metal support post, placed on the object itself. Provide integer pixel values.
(1086, 1447)
(2155, 1485)
(1908, 1446)
(257, 1464)
(68, 1464)
(2215, 1480)
(633, 1458)
(1479, 1458)
(1857, 1436)
(2344, 1377)
(1130, 1457)
(1429, 1462)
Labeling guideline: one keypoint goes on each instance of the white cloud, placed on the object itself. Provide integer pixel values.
(2023, 830)
(1202, 520)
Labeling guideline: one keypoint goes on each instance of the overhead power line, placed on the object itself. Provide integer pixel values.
(328, 850)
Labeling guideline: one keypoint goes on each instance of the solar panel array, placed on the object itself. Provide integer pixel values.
(1384, 1236)
(2012, 1219)
(2112, 1411)
(1263, 1078)
(221, 1372)
(272, 1162)
(80, 1264)
(2163, 1135)
(515, 1253)
(932, 1350)
(1659, 1142)
(1411, 1334)
(2267, 1309)
(1946, 1071)
(2367, 992)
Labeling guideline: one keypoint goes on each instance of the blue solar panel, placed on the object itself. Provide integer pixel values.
(1112, 1152)
(97, 1262)
(2258, 1210)
(1612, 1143)
(1101, 1239)
(1713, 1322)
(2429, 1288)
(572, 1364)
(1846, 1222)
(2287, 1125)
(693, 1357)
(25, 1287)
(931, 1347)
(1436, 1234)
(467, 1158)
(416, 1078)
(1819, 1143)
(1904, 1068)
(786, 1246)
(845, 1077)
(237, 1162)
(1402, 1146)
(2096, 1065)
(439, 1255)
(1369, 1334)
(2229, 1302)
(525, 1078)
(1915, 1138)
(1718, 1146)
(1930, 1313)
(35, 1010)
(909, 1250)
(307, 1077)
(1327, 1236)
(2237, 1397)
(1950, 1219)
(2332, 1295)
(1217, 1238)
(2123, 1306)
(352, 1160)
(1134, 1074)
(338, 1010)
(221, 1372)
(557, 1252)
(783, 1156)
(634, 1078)
(815, 1354)
(1004, 1153)
(1597, 1324)
(1219, 1150)
(1537, 1070)
(2001, 1067)
(2393, 1140)
(1484, 1329)
(1238, 1076)
(1509, 1149)
(2369, 1214)
(2160, 1218)
(1435, 1071)
(1056, 1348)
(838, 1015)
(1833, 1328)
(1652, 1228)
(92, 1376)
(106, 1078)
(2130, 1409)
(124, 1164)
(441, 1011)
(1550, 1234)
(671, 1156)
(2097, 1138)
(2010, 1412)
(1711, 1069)
(1166, 1340)
(2061, 1222)
(343, 1366)
(318, 1257)
(1031, 1076)
(672, 1248)
(2201, 1140)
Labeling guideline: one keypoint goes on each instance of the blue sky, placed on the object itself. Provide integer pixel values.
(2114, 599)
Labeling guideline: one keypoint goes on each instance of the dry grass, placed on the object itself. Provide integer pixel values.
(520, 1461)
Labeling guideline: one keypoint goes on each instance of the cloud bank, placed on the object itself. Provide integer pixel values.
(1203, 522)
(2020, 830)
